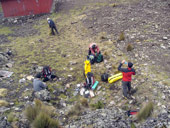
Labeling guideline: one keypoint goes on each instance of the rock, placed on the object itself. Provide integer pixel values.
(163, 97)
(165, 38)
(163, 106)
(3, 58)
(108, 67)
(69, 75)
(4, 109)
(105, 61)
(73, 63)
(11, 103)
(39, 68)
(112, 103)
(23, 80)
(119, 54)
(3, 103)
(15, 21)
(162, 46)
(5, 74)
(4, 123)
(78, 85)
(17, 109)
(9, 65)
(26, 97)
(3, 92)
(30, 77)
(156, 26)
(67, 85)
(43, 95)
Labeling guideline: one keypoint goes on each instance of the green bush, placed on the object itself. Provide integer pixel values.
(45, 121)
(145, 112)
(11, 117)
(84, 102)
(132, 125)
(98, 105)
(121, 36)
(129, 47)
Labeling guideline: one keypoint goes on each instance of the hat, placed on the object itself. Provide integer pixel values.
(130, 64)
(38, 75)
(94, 46)
(48, 19)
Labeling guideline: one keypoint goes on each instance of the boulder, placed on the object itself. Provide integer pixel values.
(4, 123)
(43, 95)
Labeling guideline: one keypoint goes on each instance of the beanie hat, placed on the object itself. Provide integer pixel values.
(48, 19)
(130, 64)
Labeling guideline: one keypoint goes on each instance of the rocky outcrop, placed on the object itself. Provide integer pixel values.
(115, 118)
(4, 123)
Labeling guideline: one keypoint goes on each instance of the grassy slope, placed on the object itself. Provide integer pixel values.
(73, 43)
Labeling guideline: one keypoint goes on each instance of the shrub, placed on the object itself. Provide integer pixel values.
(98, 105)
(113, 5)
(40, 115)
(76, 110)
(84, 102)
(31, 113)
(105, 53)
(122, 36)
(45, 121)
(145, 112)
(10, 117)
(129, 47)
(132, 125)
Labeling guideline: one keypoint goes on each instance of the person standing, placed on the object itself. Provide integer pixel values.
(52, 26)
(127, 77)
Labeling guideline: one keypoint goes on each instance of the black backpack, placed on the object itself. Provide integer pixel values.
(91, 58)
(89, 80)
(46, 72)
(104, 77)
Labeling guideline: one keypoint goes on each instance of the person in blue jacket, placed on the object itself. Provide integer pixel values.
(38, 85)
(52, 26)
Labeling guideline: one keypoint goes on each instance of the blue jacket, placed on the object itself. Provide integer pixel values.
(51, 23)
(38, 85)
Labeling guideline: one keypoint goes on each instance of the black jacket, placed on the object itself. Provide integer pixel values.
(51, 23)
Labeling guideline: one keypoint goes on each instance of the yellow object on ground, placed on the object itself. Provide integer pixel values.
(87, 66)
(115, 78)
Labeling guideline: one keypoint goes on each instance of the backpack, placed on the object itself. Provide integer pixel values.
(46, 72)
(104, 77)
(99, 58)
(91, 58)
(89, 80)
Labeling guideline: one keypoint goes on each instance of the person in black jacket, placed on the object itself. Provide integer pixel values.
(52, 26)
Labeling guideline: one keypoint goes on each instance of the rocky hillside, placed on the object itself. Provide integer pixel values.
(134, 30)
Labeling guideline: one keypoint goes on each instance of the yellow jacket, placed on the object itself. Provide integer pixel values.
(87, 66)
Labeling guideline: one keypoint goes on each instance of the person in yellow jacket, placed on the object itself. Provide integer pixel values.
(87, 67)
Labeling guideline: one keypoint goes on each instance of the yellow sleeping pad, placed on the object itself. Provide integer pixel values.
(114, 78)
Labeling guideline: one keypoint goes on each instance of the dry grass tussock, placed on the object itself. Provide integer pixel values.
(145, 112)
(40, 116)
